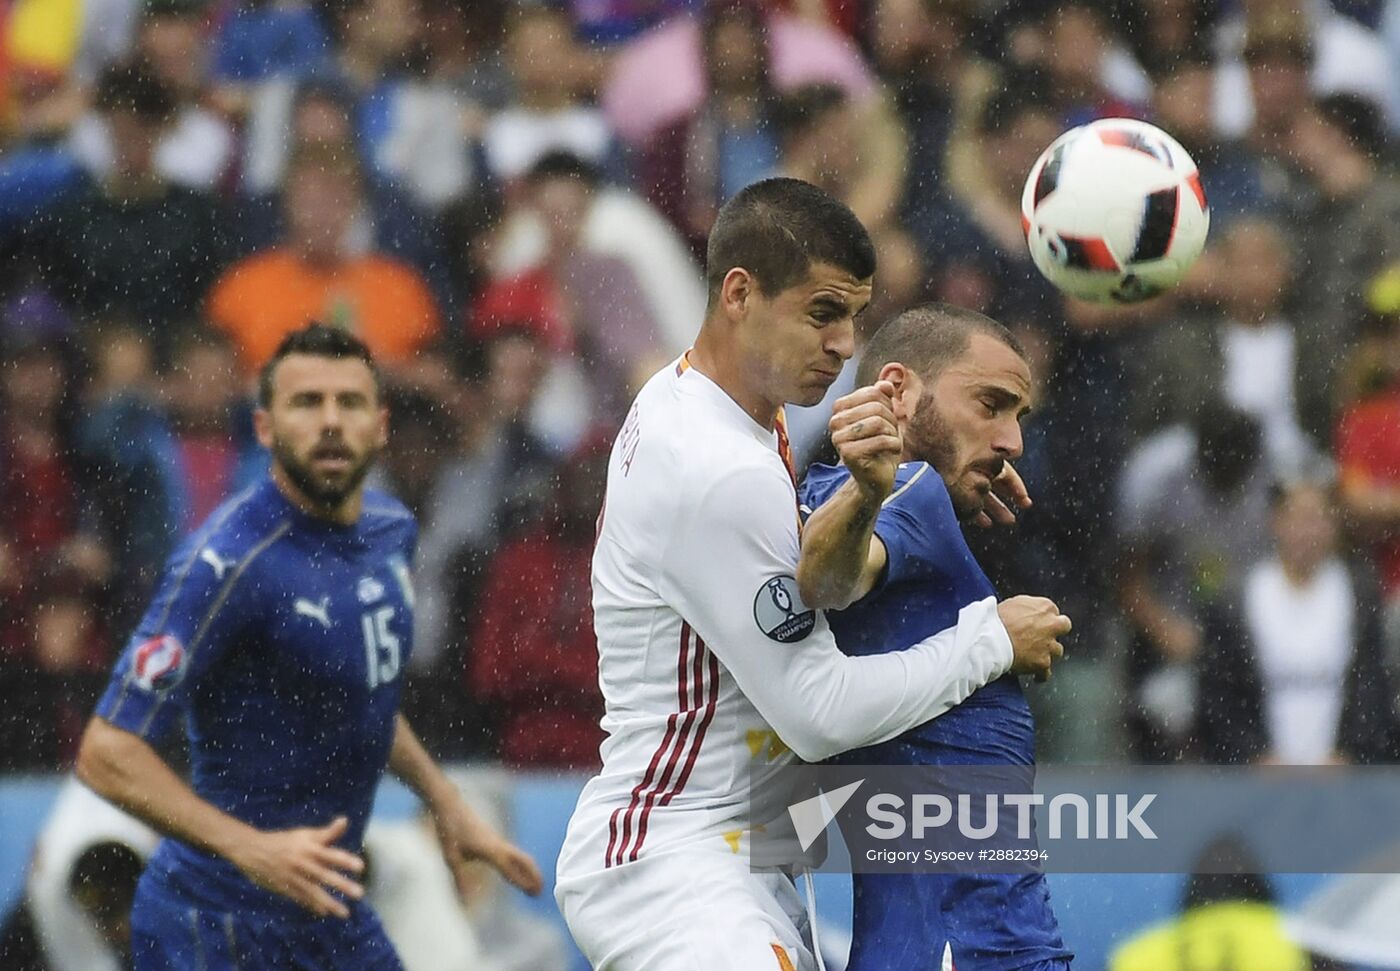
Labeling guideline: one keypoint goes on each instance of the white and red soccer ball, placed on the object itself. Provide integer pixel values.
(1114, 211)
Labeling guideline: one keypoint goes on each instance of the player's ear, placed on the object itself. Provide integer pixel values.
(383, 426)
(734, 292)
(262, 426)
(907, 387)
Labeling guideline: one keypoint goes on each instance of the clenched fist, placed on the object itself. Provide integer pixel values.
(1035, 625)
(867, 437)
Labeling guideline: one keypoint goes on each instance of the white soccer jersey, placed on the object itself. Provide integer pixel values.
(712, 670)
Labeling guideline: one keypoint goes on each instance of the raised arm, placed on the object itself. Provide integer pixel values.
(841, 555)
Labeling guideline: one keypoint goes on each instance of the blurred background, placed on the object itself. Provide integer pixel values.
(508, 202)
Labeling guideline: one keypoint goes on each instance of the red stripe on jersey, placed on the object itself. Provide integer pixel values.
(706, 718)
(709, 716)
(610, 859)
(691, 714)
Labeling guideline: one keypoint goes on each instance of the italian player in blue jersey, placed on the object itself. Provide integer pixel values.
(953, 386)
(278, 638)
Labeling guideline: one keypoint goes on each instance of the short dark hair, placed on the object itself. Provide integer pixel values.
(131, 88)
(928, 338)
(777, 228)
(797, 110)
(111, 869)
(316, 340)
(559, 164)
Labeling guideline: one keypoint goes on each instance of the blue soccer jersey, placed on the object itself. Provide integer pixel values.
(279, 640)
(995, 922)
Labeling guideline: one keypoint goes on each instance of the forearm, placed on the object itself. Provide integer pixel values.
(824, 703)
(410, 761)
(835, 567)
(127, 772)
(1375, 508)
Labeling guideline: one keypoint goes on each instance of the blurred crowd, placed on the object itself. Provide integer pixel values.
(508, 201)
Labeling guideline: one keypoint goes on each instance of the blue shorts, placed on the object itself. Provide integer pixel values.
(170, 933)
(983, 922)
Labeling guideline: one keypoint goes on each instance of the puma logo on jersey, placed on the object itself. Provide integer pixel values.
(219, 564)
(318, 612)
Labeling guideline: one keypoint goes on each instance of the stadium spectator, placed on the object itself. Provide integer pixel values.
(618, 223)
(937, 81)
(1248, 355)
(409, 128)
(1278, 54)
(659, 79)
(711, 134)
(263, 42)
(977, 227)
(1353, 229)
(132, 244)
(1089, 73)
(1296, 675)
(1343, 56)
(597, 319)
(533, 651)
(548, 112)
(1368, 452)
(54, 686)
(1229, 171)
(196, 149)
(1193, 515)
(81, 879)
(160, 453)
(493, 480)
(1229, 912)
(321, 271)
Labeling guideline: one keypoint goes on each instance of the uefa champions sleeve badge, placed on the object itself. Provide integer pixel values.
(780, 612)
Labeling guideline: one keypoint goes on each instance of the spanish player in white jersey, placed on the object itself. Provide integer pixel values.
(714, 673)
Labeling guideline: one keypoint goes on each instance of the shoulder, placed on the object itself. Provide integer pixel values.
(232, 540)
(380, 505)
(385, 515)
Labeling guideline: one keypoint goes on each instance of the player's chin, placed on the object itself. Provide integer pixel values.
(812, 392)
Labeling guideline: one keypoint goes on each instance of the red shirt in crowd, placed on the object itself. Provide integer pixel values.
(1368, 453)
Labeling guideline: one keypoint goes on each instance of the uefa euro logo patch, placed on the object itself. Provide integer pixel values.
(159, 663)
(780, 612)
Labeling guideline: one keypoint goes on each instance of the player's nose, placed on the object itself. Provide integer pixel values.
(840, 339)
(1008, 442)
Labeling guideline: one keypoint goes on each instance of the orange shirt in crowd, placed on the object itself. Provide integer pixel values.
(261, 299)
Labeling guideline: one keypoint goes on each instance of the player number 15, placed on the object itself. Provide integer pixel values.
(381, 647)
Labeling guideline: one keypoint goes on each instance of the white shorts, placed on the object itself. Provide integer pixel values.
(688, 910)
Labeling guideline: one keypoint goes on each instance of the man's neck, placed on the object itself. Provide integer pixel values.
(344, 514)
(711, 359)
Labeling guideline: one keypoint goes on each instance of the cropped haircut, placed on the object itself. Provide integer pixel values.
(777, 228)
(317, 340)
(926, 339)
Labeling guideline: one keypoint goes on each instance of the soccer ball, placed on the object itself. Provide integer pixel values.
(1114, 211)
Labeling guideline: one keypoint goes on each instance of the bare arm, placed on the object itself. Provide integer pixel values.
(465, 836)
(1176, 637)
(1372, 506)
(297, 863)
(841, 556)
